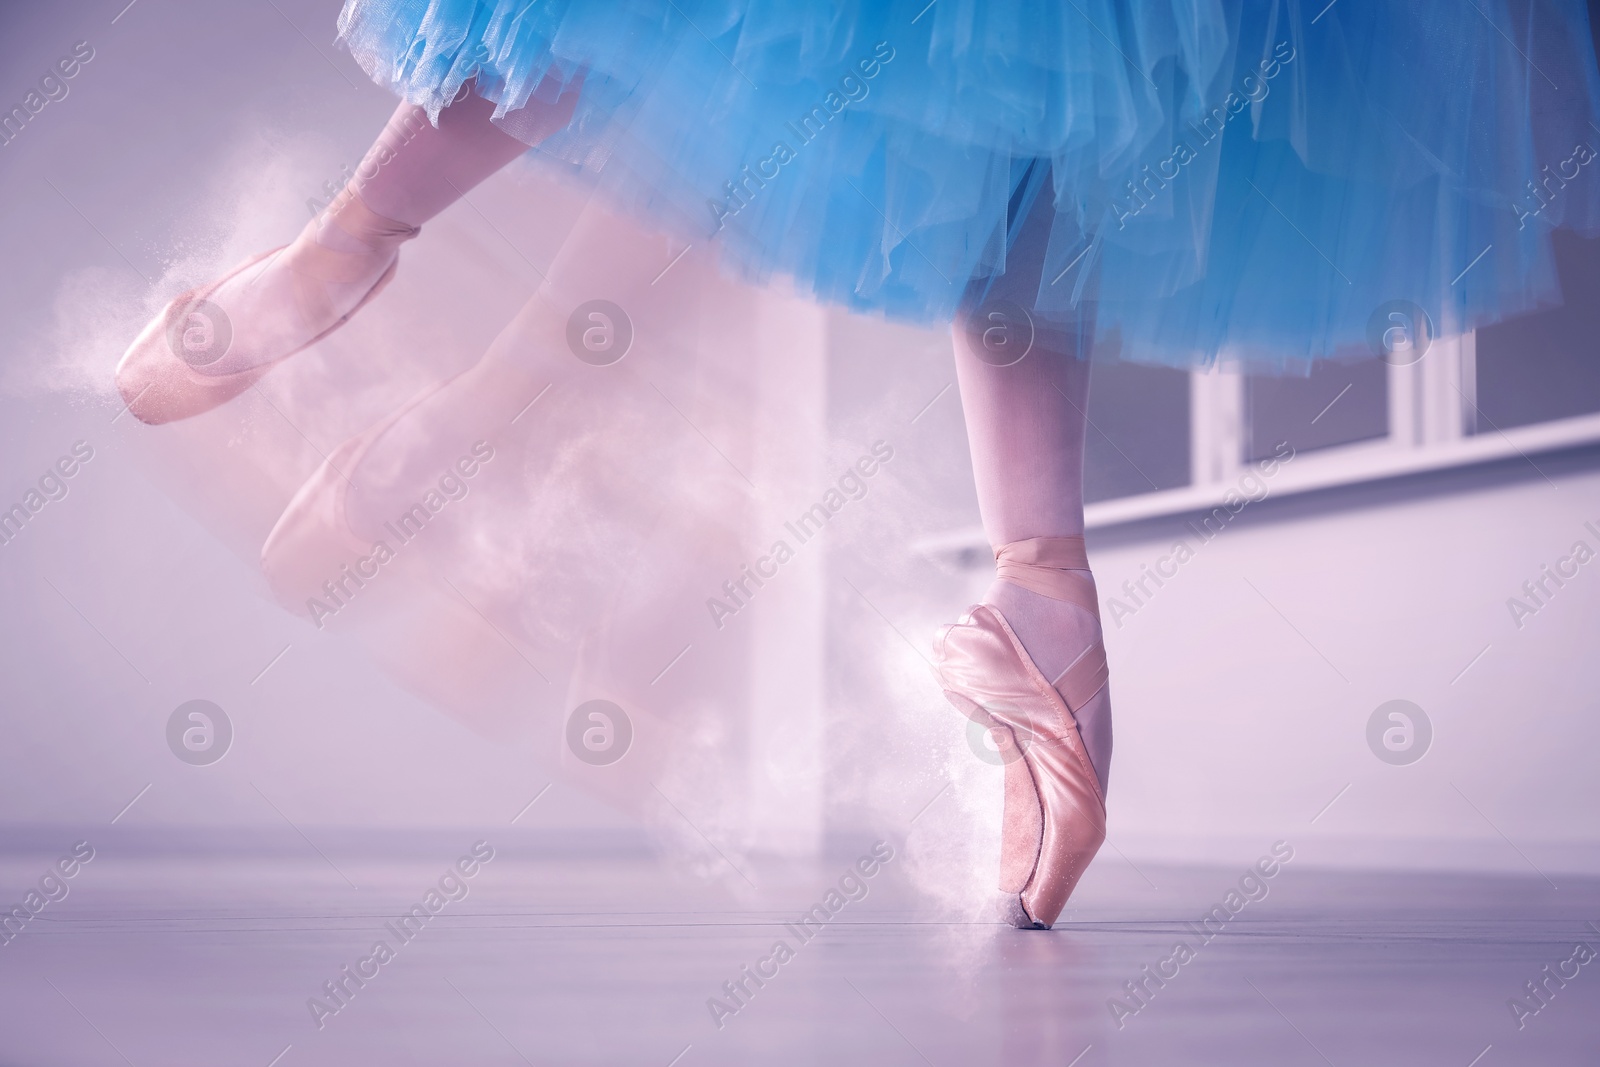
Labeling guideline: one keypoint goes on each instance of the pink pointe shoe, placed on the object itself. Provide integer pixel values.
(158, 376)
(416, 625)
(1055, 815)
(313, 543)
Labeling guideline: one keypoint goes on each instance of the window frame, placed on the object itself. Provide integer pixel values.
(1434, 425)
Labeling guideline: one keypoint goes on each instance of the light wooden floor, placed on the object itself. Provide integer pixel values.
(563, 959)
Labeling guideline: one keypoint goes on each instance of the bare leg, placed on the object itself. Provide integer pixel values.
(1025, 426)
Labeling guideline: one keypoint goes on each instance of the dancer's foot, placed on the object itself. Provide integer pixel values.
(1055, 633)
(437, 639)
(313, 285)
(1054, 819)
(212, 343)
(309, 556)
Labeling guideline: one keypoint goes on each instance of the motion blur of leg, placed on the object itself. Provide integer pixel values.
(651, 313)
(1025, 426)
(608, 295)
(583, 450)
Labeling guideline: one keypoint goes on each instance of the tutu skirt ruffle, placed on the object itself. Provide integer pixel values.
(1251, 179)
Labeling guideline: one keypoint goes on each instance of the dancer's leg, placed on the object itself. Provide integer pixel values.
(1025, 427)
(413, 171)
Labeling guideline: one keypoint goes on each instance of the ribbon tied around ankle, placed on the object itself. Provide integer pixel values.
(1055, 567)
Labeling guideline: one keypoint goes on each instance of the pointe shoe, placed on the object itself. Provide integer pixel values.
(313, 541)
(414, 623)
(1055, 816)
(158, 376)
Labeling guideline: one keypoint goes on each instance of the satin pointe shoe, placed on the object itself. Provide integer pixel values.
(160, 376)
(413, 622)
(1055, 817)
(313, 545)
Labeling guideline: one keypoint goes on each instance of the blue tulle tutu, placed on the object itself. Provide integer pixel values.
(1249, 178)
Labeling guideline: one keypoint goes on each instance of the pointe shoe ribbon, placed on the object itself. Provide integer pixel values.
(158, 376)
(1058, 567)
(312, 263)
(1054, 815)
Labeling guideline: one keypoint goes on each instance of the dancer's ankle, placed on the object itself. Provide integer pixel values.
(317, 281)
(337, 239)
(348, 224)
